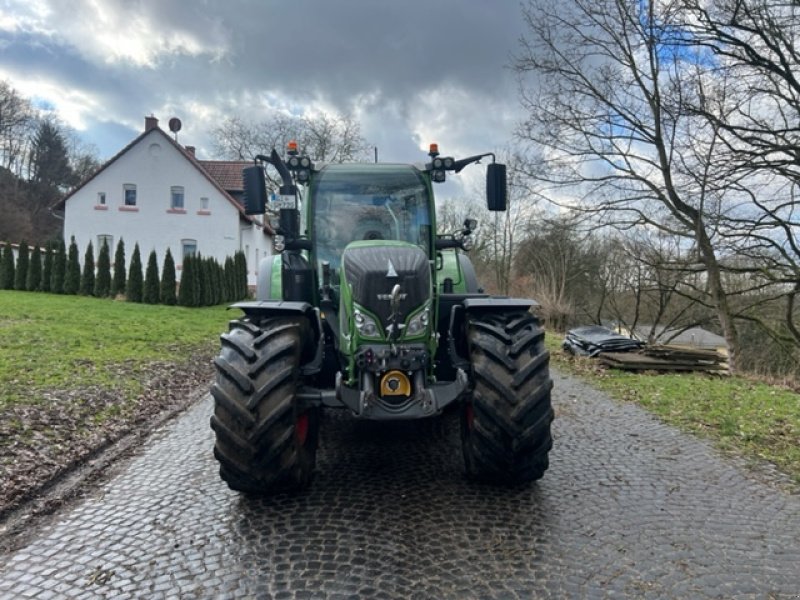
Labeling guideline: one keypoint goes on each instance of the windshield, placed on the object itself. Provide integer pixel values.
(368, 202)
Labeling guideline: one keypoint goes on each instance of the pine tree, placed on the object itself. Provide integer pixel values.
(205, 283)
(21, 275)
(230, 281)
(7, 272)
(59, 269)
(47, 267)
(34, 280)
(151, 282)
(240, 264)
(219, 283)
(134, 284)
(197, 275)
(186, 290)
(102, 287)
(118, 284)
(72, 275)
(87, 280)
(167, 292)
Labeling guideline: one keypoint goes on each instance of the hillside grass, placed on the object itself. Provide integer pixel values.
(71, 342)
(750, 418)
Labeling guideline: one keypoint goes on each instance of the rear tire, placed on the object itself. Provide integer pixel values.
(505, 425)
(265, 442)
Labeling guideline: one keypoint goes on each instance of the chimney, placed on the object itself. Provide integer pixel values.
(150, 123)
(190, 151)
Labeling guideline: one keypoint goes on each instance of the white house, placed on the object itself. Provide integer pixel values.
(156, 193)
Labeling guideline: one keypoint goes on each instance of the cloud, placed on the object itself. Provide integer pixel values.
(413, 72)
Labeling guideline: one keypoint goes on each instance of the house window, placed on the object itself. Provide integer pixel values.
(189, 247)
(108, 240)
(176, 197)
(204, 203)
(101, 198)
(129, 190)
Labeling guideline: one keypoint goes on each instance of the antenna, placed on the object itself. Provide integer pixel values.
(175, 126)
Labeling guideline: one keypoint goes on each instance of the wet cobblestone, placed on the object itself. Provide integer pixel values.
(629, 508)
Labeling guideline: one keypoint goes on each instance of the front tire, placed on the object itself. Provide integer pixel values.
(505, 425)
(265, 441)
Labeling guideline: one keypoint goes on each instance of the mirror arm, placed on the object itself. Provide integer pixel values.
(460, 164)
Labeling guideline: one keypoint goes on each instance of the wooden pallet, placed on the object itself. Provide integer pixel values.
(665, 358)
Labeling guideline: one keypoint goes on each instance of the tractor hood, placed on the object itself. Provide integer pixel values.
(372, 269)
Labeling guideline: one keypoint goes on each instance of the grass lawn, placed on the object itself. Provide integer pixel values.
(67, 342)
(753, 419)
(78, 373)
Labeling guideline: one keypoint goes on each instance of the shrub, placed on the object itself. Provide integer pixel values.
(102, 287)
(135, 282)
(7, 269)
(230, 280)
(151, 282)
(47, 267)
(21, 275)
(118, 284)
(168, 285)
(59, 269)
(240, 264)
(87, 279)
(34, 280)
(72, 275)
(186, 291)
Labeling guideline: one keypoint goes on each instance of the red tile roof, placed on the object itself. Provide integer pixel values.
(228, 173)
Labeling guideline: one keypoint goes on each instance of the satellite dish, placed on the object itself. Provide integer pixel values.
(174, 124)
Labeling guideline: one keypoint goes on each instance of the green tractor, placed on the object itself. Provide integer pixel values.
(364, 307)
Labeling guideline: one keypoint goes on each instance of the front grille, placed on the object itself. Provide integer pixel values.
(372, 272)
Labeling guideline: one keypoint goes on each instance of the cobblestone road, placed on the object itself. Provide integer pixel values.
(629, 508)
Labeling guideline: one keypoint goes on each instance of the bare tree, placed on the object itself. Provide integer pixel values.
(754, 43)
(16, 123)
(610, 80)
(324, 137)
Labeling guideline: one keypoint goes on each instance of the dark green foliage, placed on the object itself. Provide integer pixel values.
(219, 283)
(21, 275)
(118, 284)
(186, 291)
(34, 280)
(240, 264)
(135, 284)
(47, 267)
(7, 270)
(209, 291)
(151, 281)
(167, 292)
(230, 280)
(203, 281)
(72, 276)
(102, 287)
(196, 276)
(59, 268)
(87, 279)
(49, 156)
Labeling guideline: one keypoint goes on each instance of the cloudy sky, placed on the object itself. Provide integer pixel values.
(413, 72)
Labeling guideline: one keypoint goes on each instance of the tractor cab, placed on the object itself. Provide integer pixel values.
(366, 202)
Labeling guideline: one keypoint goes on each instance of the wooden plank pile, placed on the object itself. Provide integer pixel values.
(666, 358)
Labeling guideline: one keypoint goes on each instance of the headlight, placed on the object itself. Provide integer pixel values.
(418, 322)
(366, 325)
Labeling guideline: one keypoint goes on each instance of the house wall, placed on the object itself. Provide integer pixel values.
(154, 166)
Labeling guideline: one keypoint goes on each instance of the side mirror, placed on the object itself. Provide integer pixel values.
(496, 186)
(255, 190)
